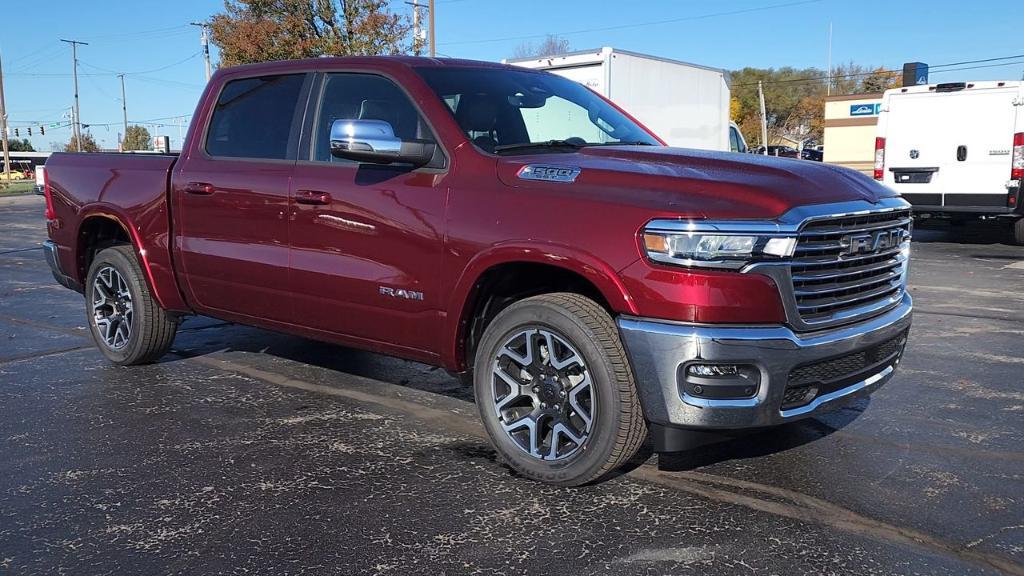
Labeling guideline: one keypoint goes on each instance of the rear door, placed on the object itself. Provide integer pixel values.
(950, 148)
(232, 203)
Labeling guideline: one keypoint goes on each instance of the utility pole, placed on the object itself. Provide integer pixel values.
(3, 127)
(204, 40)
(416, 39)
(417, 31)
(78, 114)
(764, 118)
(124, 112)
(433, 52)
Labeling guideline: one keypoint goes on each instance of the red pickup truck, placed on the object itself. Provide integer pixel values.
(599, 287)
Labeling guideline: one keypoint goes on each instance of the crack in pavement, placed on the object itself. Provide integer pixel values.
(794, 505)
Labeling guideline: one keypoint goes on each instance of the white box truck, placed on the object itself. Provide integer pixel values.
(685, 104)
(955, 150)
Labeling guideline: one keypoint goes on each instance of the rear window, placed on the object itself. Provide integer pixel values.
(253, 117)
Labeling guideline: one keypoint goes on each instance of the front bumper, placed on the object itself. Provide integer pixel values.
(660, 351)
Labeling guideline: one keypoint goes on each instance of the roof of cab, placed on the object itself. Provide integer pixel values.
(327, 62)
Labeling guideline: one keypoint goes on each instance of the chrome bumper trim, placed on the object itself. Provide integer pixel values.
(658, 349)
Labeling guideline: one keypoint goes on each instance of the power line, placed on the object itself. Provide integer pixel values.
(111, 72)
(884, 71)
(638, 25)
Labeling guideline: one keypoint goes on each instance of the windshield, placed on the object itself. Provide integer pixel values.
(508, 111)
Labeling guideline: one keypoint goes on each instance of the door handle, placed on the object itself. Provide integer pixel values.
(312, 197)
(200, 188)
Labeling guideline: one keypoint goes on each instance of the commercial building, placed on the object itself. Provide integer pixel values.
(850, 124)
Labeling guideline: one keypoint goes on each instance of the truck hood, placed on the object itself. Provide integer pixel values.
(698, 183)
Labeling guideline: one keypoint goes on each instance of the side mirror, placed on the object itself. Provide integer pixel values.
(375, 141)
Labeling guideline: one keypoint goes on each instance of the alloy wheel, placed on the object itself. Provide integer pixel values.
(543, 396)
(112, 308)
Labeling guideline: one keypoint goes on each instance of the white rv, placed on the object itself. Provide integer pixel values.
(686, 105)
(955, 150)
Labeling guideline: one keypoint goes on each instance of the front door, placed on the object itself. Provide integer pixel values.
(367, 239)
(231, 200)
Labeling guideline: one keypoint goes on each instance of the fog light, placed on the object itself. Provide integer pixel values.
(720, 381)
(711, 370)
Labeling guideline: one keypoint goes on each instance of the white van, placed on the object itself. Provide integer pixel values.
(955, 150)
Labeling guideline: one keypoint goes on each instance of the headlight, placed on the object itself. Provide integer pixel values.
(715, 249)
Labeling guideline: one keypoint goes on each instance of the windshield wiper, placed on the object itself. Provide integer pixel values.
(623, 143)
(549, 144)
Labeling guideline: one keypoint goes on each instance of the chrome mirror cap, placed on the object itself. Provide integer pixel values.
(375, 136)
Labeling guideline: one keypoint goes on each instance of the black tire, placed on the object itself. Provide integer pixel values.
(618, 428)
(1018, 232)
(152, 330)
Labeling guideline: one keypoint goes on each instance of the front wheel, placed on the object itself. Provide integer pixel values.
(555, 390)
(126, 322)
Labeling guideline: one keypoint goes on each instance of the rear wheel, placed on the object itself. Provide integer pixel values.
(555, 390)
(126, 322)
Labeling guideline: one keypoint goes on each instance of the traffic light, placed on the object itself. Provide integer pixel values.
(42, 131)
(15, 132)
(29, 130)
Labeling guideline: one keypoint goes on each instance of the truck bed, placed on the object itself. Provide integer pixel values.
(128, 188)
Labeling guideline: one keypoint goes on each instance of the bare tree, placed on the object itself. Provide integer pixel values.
(550, 46)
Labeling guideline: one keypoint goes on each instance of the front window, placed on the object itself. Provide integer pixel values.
(507, 111)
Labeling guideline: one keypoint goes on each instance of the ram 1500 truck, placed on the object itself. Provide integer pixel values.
(507, 224)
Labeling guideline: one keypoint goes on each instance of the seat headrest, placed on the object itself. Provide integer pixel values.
(477, 112)
(378, 110)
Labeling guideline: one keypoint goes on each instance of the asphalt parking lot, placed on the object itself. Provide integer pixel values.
(248, 452)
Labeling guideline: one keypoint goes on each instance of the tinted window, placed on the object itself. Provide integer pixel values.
(253, 117)
(364, 97)
(504, 106)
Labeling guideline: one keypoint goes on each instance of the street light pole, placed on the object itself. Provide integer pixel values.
(78, 115)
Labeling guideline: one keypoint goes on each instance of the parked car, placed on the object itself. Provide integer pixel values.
(737, 143)
(779, 151)
(596, 286)
(812, 154)
(955, 151)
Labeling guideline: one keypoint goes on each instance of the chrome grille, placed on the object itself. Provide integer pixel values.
(849, 266)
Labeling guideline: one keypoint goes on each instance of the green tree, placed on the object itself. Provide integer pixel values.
(137, 138)
(88, 144)
(261, 30)
(793, 101)
(22, 145)
(548, 47)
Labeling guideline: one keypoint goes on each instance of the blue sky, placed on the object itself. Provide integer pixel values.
(152, 43)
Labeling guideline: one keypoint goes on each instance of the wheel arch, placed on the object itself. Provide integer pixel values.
(505, 274)
(101, 227)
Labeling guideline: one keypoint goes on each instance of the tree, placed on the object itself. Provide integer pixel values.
(137, 138)
(22, 145)
(880, 80)
(793, 102)
(260, 30)
(88, 144)
(548, 47)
